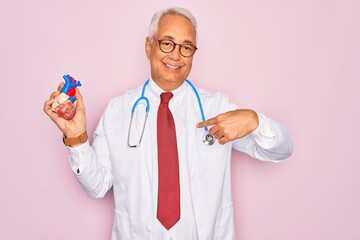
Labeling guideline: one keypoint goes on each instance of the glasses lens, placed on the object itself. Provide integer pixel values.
(166, 45)
(187, 50)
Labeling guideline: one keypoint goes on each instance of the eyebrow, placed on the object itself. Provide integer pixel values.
(172, 38)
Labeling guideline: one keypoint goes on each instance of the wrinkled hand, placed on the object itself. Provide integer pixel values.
(71, 128)
(232, 125)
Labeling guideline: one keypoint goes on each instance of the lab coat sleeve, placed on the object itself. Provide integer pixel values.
(92, 165)
(269, 142)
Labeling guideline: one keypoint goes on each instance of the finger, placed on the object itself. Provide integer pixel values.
(223, 140)
(60, 87)
(47, 104)
(209, 122)
(58, 91)
(48, 111)
(214, 129)
(218, 135)
(79, 99)
(54, 95)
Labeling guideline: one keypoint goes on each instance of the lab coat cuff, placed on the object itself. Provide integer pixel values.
(78, 156)
(264, 135)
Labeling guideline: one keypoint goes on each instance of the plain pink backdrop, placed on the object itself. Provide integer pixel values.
(295, 61)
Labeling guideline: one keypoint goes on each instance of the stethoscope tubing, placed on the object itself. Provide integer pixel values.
(142, 98)
(200, 104)
(208, 139)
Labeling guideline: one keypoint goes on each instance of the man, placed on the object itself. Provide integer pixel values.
(200, 207)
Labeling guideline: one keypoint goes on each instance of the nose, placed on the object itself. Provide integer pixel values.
(175, 54)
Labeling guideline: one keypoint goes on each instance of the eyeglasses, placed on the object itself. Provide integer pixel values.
(167, 46)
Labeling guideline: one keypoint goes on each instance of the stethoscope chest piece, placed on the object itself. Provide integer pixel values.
(208, 139)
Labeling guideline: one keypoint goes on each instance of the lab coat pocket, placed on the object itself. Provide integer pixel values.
(121, 227)
(224, 228)
(208, 153)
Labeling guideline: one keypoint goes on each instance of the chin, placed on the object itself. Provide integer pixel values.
(175, 81)
(170, 84)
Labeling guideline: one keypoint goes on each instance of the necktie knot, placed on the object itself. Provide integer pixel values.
(165, 97)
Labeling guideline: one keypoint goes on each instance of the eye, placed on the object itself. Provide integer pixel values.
(167, 43)
(188, 48)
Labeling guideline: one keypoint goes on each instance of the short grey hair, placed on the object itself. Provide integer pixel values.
(172, 11)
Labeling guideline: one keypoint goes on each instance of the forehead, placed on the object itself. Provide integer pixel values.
(177, 27)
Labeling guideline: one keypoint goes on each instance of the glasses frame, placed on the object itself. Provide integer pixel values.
(180, 46)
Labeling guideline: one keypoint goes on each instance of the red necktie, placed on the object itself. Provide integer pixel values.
(168, 209)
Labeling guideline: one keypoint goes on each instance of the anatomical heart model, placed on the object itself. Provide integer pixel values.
(63, 104)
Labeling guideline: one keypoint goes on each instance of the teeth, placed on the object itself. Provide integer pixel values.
(174, 67)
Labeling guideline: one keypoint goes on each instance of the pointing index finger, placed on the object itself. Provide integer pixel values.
(209, 122)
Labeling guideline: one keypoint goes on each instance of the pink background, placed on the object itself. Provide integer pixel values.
(295, 61)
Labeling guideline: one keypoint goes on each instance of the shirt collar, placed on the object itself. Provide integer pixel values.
(155, 91)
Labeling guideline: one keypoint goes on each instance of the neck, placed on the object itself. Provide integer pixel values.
(168, 86)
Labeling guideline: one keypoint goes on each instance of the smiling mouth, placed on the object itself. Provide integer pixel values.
(172, 66)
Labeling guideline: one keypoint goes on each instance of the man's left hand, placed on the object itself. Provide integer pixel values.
(232, 125)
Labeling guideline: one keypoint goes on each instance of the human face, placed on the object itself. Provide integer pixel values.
(169, 70)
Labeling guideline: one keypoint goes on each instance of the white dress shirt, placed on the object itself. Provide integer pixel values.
(185, 228)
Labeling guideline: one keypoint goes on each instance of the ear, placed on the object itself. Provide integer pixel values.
(148, 47)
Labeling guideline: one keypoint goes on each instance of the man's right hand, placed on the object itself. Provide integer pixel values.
(71, 128)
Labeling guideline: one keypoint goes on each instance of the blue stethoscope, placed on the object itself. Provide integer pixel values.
(208, 139)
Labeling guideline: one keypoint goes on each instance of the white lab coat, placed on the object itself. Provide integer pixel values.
(110, 163)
